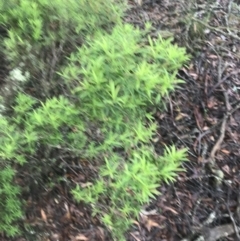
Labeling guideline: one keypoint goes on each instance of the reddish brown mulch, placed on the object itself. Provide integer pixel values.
(197, 204)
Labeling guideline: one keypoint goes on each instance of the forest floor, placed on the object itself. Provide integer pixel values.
(203, 115)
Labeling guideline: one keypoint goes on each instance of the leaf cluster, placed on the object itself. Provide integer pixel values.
(124, 187)
(41, 32)
(117, 77)
(111, 82)
(116, 80)
(10, 205)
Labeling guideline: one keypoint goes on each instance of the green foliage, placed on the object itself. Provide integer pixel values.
(43, 22)
(119, 78)
(111, 81)
(123, 187)
(118, 81)
(10, 206)
(9, 141)
(40, 32)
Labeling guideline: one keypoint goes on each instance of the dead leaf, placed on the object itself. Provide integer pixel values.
(180, 116)
(81, 237)
(101, 233)
(212, 138)
(194, 75)
(199, 118)
(146, 213)
(55, 237)
(137, 224)
(232, 122)
(66, 217)
(135, 237)
(237, 115)
(212, 56)
(44, 216)
(205, 128)
(150, 224)
(212, 102)
(226, 169)
(171, 209)
(139, 2)
(225, 151)
(67, 214)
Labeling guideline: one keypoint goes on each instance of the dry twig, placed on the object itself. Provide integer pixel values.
(230, 34)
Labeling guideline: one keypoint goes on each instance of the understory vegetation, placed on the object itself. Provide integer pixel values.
(84, 86)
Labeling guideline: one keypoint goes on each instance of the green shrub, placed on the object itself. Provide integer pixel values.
(10, 205)
(119, 79)
(112, 82)
(41, 32)
(124, 186)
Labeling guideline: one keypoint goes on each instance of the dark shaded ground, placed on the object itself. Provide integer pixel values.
(203, 115)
